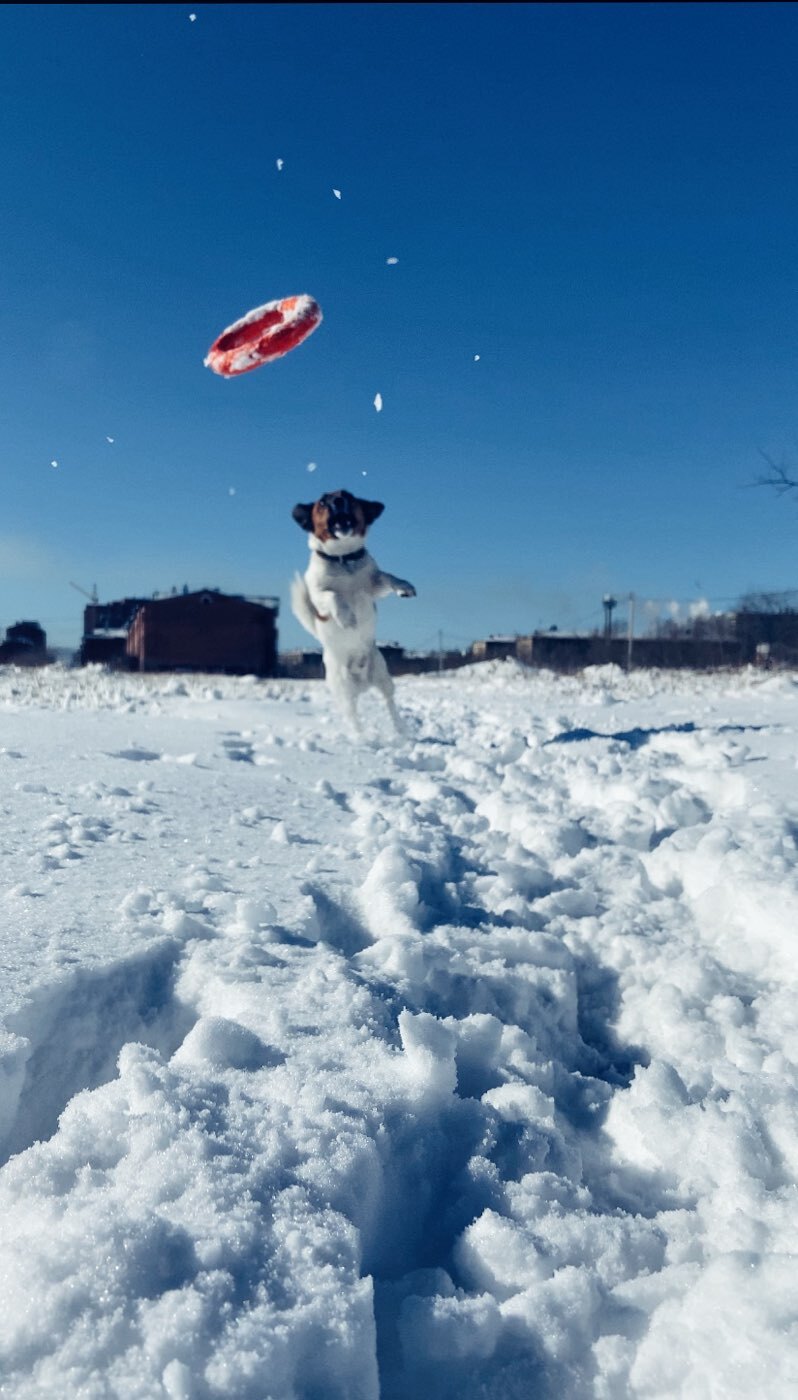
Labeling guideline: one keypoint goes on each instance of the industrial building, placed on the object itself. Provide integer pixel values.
(190, 631)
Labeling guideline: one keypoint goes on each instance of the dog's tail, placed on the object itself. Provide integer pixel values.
(301, 606)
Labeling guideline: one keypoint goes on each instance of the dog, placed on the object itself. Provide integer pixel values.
(335, 598)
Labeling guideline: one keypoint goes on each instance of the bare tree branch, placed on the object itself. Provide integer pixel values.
(778, 476)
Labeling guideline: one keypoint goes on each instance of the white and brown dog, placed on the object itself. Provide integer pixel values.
(335, 598)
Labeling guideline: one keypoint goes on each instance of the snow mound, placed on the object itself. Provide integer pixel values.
(461, 1066)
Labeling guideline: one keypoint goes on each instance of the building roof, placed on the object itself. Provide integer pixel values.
(209, 595)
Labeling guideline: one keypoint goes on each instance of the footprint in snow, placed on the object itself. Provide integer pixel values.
(136, 755)
(239, 749)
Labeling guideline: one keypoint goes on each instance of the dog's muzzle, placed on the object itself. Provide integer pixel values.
(340, 519)
(340, 523)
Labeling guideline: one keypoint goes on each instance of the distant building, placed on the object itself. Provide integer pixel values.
(307, 664)
(301, 664)
(557, 651)
(493, 648)
(204, 631)
(106, 617)
(25, 645)
(107, 646)
(105, 629)
(394, 655)
(777, 631)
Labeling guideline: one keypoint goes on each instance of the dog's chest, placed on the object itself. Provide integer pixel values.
(349, 625)
(349, 581)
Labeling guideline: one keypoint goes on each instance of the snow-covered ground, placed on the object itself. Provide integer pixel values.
(457, 1066)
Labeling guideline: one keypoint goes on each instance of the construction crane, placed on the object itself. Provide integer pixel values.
(93, 597)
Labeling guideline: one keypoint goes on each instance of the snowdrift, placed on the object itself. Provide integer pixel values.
(463, 1065)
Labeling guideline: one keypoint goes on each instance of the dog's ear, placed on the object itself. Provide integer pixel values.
(303, 515)
(371, 510)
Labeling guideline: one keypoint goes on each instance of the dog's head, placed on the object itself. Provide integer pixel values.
(337, 515)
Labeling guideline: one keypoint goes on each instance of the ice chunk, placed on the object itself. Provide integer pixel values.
(225, 1044)
(429, 1047)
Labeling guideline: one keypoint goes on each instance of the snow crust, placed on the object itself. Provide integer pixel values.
(462, 1065)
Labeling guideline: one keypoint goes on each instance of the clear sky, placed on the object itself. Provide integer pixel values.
(598, 201)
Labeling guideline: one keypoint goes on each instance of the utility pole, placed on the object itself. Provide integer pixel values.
(440, 651)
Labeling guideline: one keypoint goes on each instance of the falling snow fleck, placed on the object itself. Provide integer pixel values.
(476, 357)
(392, 261)
(279, 162)
(311, 466)
(108, 439)
(337, 194)
(192, 18)
(378, 402)
(54, 463)
(231, 490)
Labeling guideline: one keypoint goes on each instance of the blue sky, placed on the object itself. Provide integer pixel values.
(599, 201)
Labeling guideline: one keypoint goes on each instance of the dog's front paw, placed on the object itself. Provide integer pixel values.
(406, 590)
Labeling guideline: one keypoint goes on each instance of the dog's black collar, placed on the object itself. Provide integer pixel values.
(344, 559)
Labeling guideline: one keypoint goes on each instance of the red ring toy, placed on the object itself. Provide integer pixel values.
(263, 335)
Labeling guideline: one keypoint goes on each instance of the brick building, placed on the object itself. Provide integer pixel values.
(204, 631)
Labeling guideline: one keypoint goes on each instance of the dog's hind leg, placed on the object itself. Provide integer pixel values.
(344, 692)
(350, 714)
(383, 681)
(346, 706)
